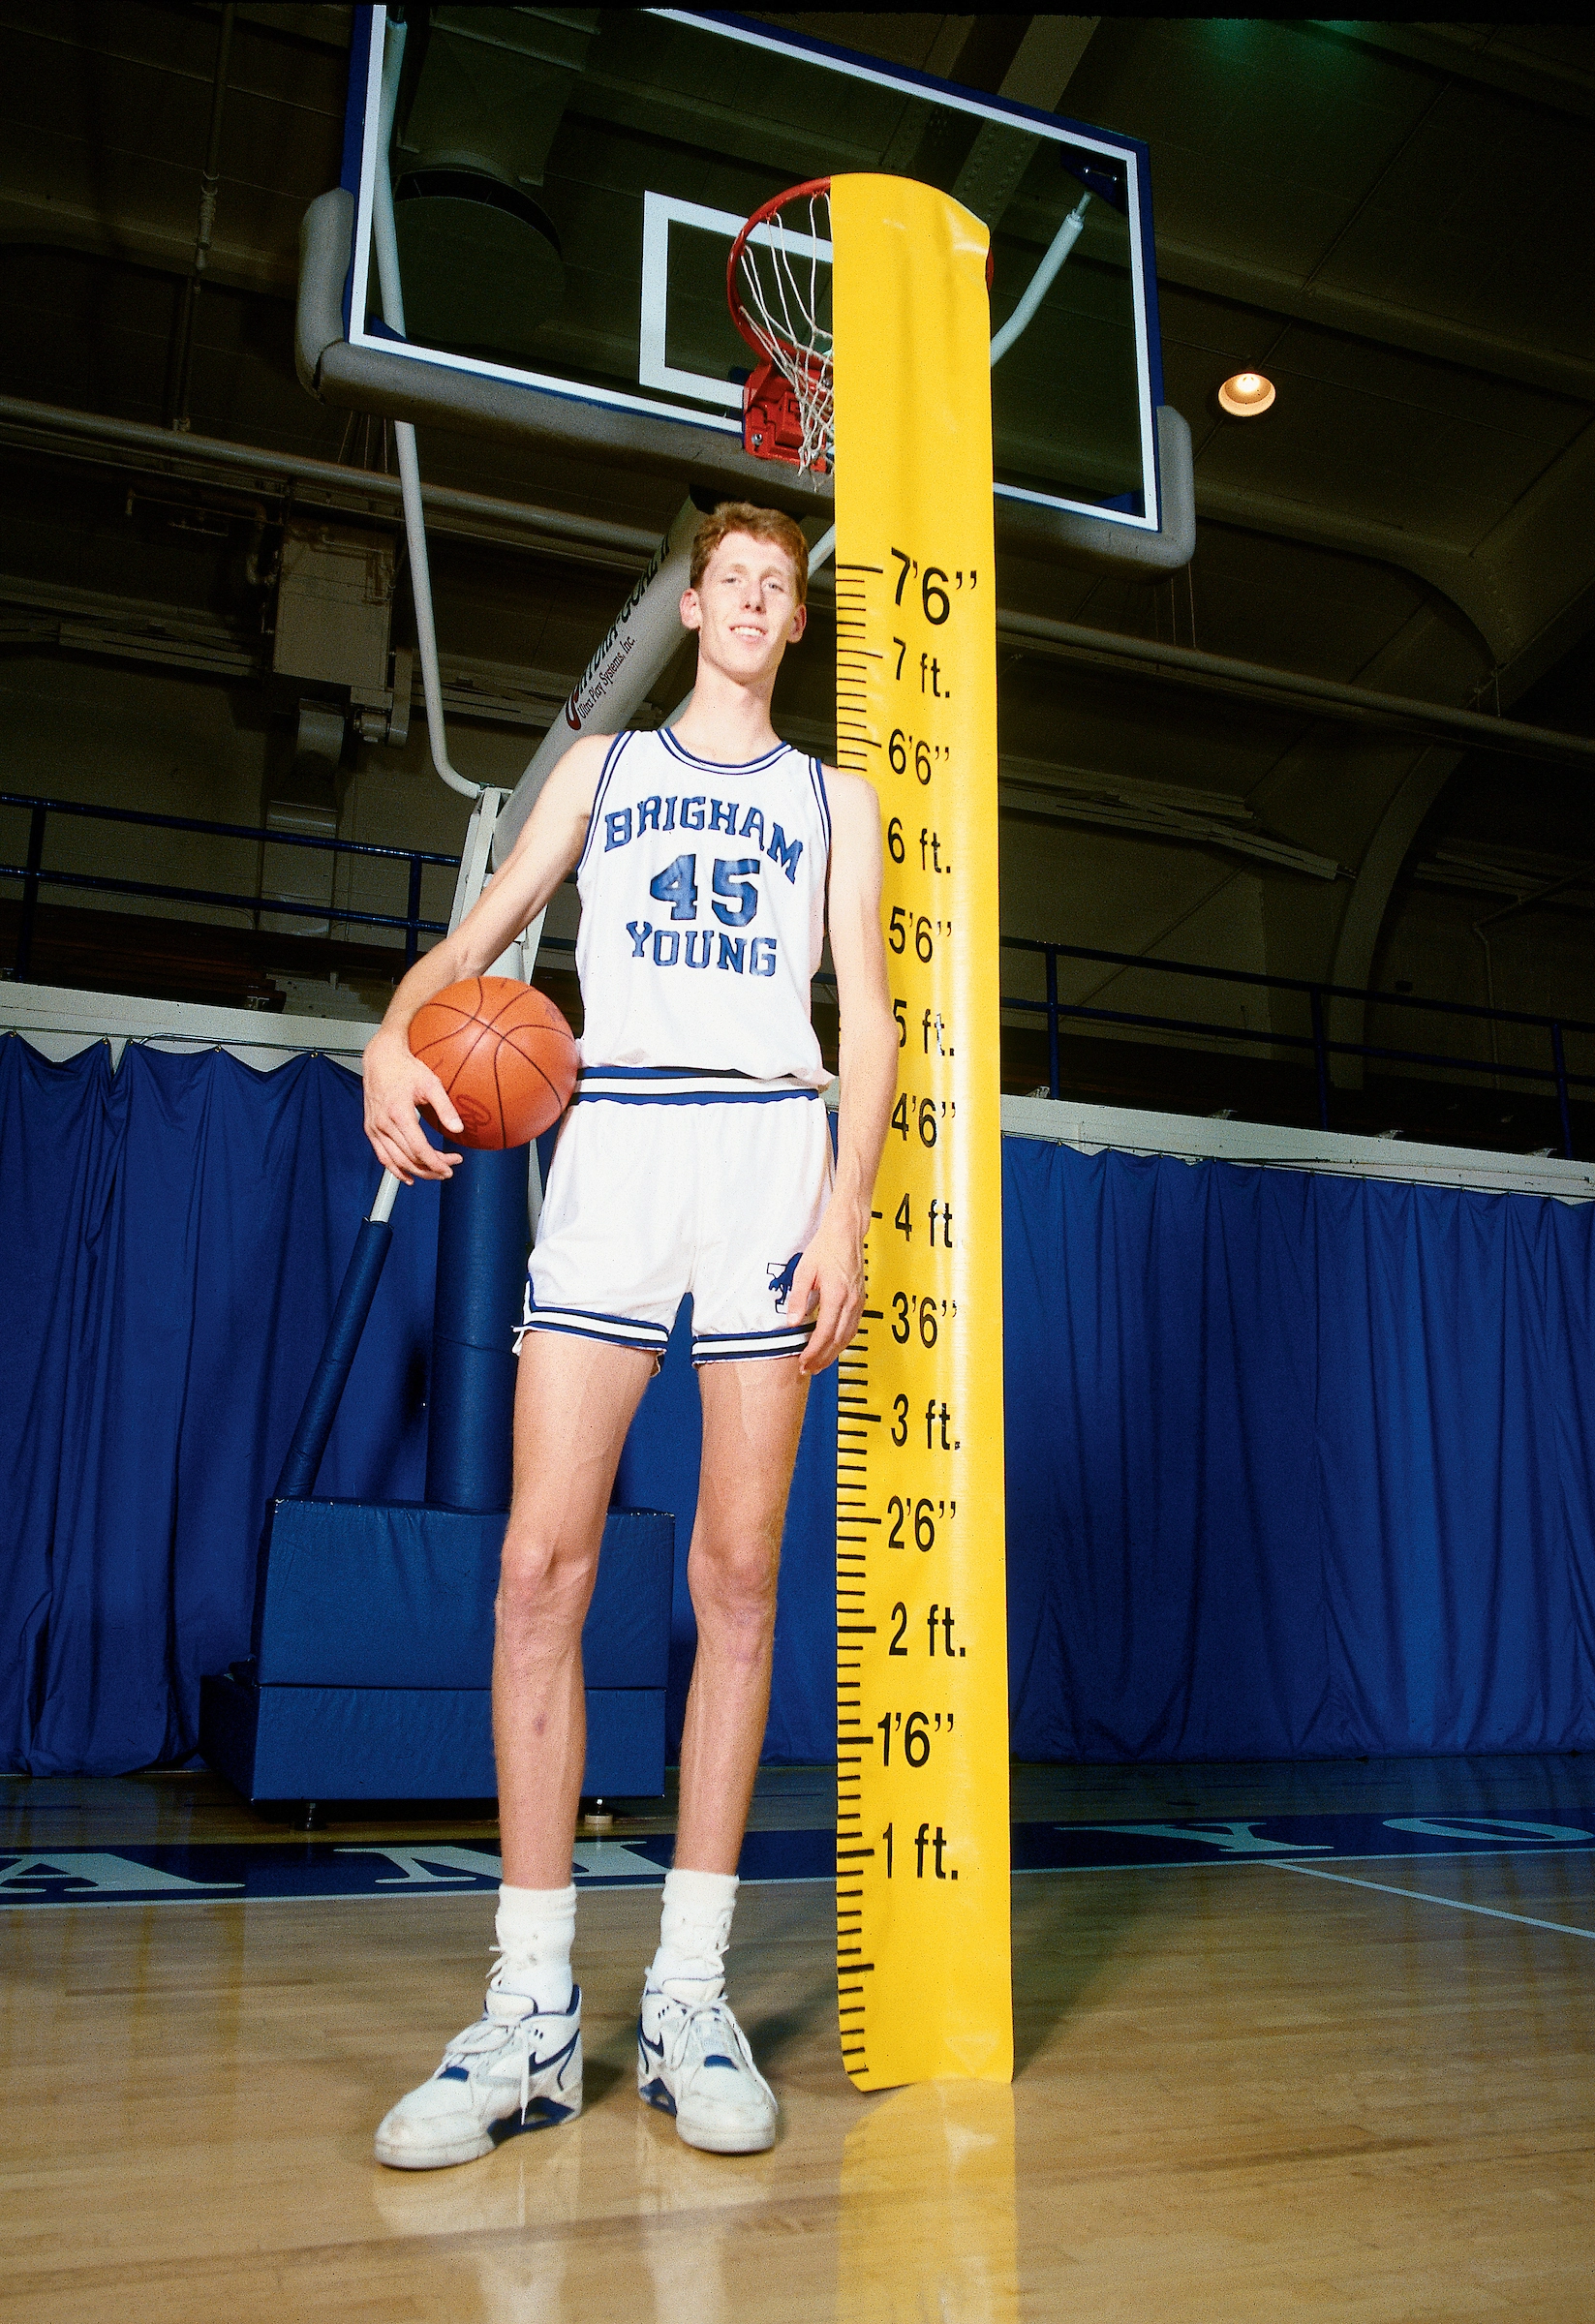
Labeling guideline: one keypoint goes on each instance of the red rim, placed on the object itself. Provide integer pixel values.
(768, 209)
(765, 210)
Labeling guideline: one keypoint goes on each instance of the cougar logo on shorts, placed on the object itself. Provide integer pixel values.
(780, 1280)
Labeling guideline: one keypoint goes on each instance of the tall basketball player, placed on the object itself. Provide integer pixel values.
(695, 1159)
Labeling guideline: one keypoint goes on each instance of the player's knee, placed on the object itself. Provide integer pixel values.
(735, 1583)
(544, 1585)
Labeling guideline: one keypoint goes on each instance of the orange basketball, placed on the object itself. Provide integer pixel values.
(505, 1054)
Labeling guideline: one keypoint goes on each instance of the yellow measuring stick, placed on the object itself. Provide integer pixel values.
(923, 1973)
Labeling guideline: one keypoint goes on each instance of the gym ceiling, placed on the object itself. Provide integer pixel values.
(1393, 222)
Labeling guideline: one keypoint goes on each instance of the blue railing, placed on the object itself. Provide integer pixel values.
(1318, 1041)
(34, 874)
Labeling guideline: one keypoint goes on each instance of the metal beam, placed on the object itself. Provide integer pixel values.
(1290, 690)
(33, 616)
(1440, 565)
(628, 548)
(623, 549)
(1047, 59)
(318, 483)
(1242, 282)
(1481, 55)
(1072, 796)
(54, 221)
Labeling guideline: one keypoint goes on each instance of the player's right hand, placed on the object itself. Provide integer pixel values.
(396, 1085)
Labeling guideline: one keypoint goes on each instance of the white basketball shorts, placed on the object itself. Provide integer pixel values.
(665, 1182)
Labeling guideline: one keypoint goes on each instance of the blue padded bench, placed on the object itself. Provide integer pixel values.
(372, 1651)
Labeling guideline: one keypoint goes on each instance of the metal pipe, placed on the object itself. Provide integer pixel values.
(483, 1234)
(412, 915)
(1478, 927)
(426, 635)
(1041, 282)
(225, 831)
(1558, 1060)
(252, 905)
(1320, 1056)
(1054, 1083)
(1523, 904)
(354, 490)
(30, 896)
(179, 368)
(1290, 689)
(635, 650)
(1518, 903)
(385, 237)
(1285, 984)
(296, 1481)
(630, 546)
(1241, 1033)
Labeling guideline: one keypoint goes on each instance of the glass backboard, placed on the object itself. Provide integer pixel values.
(567, 183)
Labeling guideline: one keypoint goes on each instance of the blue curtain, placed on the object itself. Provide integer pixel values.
(1297, 1465)
(175, 1235)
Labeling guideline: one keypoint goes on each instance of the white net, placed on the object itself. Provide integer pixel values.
(784, 283)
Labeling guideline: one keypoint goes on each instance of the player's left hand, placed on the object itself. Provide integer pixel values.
(829, 1286)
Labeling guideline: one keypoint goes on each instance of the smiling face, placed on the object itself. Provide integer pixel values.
(744, 608)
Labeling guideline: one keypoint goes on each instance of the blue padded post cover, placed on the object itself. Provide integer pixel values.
(482, 1236)
(374, 1652)
(362, 1594)
(337, 1359)
(408, 1742)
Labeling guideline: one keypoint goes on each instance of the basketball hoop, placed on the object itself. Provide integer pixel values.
(776, 291)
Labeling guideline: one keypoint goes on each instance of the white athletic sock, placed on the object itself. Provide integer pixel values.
(535, 1930)
(695, 1931)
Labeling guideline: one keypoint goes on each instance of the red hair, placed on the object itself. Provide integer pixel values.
(773, 525)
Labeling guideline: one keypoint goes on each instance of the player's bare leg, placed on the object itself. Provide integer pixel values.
(753, 1413)
(574, 1400)
(520, 2064)
(694, 2061)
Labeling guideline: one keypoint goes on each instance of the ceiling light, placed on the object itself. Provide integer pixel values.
(1246, 394)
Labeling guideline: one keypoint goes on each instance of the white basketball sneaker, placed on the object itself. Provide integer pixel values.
(504, 2074)
(693, 2061)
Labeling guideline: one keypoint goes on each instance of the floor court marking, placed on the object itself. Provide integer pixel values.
(323, 1870)
(1421, 1896)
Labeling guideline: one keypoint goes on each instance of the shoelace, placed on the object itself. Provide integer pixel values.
(703, 2020)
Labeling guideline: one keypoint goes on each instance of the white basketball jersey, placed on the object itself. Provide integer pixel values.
(703, 911)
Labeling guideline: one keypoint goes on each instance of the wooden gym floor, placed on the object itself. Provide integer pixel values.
(1244, 2092)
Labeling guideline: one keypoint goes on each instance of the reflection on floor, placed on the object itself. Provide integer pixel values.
(1244, 2090)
